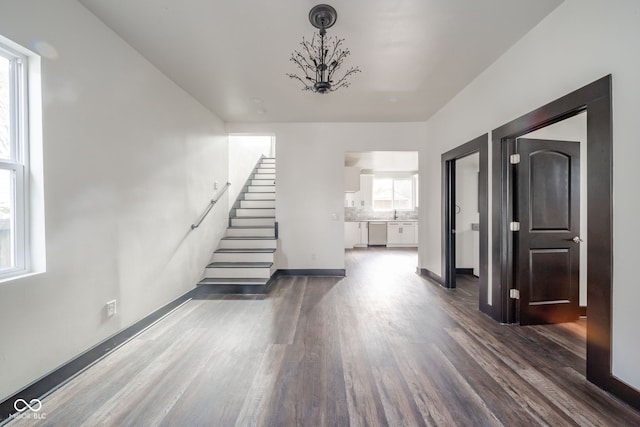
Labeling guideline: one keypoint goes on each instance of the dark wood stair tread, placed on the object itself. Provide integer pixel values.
(240, 265)
(233, 281)
(245, 250)
(250, 227)
(248, 238)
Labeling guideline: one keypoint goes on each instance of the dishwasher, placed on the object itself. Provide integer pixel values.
(377, 233)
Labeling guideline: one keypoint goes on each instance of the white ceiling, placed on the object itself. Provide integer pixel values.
(232, 56)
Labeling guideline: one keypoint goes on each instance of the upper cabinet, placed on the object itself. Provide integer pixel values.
(351, 179)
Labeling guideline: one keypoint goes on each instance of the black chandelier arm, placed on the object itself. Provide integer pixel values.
(310, 48)
(337, 63)
(305, 86)
(343, 81)
(302, 62)
(336, 51)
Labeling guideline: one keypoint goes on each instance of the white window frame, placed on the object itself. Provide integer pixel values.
(393, 200)
(18, 163)
(416, 191)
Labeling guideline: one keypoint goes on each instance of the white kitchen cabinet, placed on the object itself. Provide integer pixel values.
(394, 236)
(351, 234)
(401, 234)
(366, 189)
(409, 233)
(363, 234)
(356, 234)
(349, 200)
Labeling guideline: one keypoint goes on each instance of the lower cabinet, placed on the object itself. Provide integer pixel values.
(363, 234)
(356, 234)
(401, 234)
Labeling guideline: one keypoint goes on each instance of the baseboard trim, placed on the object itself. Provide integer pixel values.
(424, 272)
(583, 310)
(468, 271)
(204, 291)
(624, 392)
(60, 376)
(323, 272)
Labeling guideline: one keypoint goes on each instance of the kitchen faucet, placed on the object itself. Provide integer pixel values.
(395, 214)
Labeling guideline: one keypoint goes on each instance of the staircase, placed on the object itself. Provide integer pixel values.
(243, 263)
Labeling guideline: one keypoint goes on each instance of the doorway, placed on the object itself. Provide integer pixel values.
(467, 225)
(479, 147)
(594, 100)
(381, 201)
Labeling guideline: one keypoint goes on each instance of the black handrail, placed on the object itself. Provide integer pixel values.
(206, 212)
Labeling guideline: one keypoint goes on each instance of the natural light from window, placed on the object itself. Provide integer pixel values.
(393, 194)
(13, 161)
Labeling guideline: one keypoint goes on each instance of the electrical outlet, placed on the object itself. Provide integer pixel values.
(112, 308)
(216, 184)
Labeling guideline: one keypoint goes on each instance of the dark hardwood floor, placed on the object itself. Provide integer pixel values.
(380, 347)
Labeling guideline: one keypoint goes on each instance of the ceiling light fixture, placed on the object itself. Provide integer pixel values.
(322, 56)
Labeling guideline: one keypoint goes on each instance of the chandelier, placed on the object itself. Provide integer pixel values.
(321, 57)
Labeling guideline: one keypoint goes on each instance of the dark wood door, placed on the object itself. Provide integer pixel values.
(547, 255)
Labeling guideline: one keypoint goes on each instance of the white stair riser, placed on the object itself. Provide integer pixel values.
(242, 257)
(255, 212)
(250, 222)
(266, 170)
(269, 160)
(269, 204)
(262, 188)
(247, 243)
(251, 232)
(254, 196)
(262, 182)
(244, 273)
(264, 176)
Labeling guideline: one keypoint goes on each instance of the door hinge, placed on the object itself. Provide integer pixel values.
(514, 226)
(514, 159)
(514, 294)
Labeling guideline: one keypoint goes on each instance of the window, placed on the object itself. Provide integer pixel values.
(13, 162)
(393, 194)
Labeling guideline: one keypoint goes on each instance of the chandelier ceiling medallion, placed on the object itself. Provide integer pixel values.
(321, 57)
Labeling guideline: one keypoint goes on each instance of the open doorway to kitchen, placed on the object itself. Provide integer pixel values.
(381, 201)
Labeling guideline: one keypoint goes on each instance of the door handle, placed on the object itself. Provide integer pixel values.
(577, 239)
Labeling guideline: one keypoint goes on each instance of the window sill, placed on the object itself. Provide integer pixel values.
(18, 275)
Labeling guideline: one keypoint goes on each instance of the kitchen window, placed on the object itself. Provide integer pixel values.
(393, 194)
(13, 162)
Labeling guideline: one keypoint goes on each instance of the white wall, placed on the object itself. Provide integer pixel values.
(244, 152)
(310, 187)
(129, 160)
(467, 211)
(578, 43)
